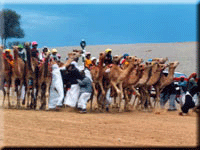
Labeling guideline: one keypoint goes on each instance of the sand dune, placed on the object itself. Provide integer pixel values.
(185, 52)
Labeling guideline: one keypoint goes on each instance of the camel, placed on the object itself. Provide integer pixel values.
(143, 80)
(18, 73)
(117, 59)
(138, 76)
(164, 81)
(153, 79)
(1, 68)
(7, 77)
(117, 76)
(97, 77)
(43, 82)
(160, 60)
(31, 67)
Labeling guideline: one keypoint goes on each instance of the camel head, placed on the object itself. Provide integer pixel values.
(161, 67)
(77, 51)
(142, 67)
(27, 44)
(160, 60)
(101, 55)
(73, 55)
(173, 64)
(131, 58)
(116, 59)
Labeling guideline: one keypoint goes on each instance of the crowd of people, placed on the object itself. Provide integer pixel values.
(79, 81)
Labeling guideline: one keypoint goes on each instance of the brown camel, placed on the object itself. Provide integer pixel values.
(1, 68)
(6, 74)
(97, 77)
(18, 73)
(43, 82)
(31, 67)
(164, 81)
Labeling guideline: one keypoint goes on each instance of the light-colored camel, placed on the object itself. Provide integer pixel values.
(137, 79)
(160, 60)
(129, 83)
(117, 76)
(164, 81)
(117, 59)
(18, 73)
(142, 82)
(156, 71)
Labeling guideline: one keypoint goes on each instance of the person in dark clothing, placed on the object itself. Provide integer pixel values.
(169, 93)
(108, 57)
(189, 103)
(71, 97)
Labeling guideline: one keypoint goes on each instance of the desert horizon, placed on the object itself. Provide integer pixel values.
(184, 52)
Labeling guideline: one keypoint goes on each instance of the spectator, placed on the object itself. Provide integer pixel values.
(168, 93)
(192, 81)
(54, 54)
(71, 97)
(188, 101)
(85, 92)
(183, 84)
(56, 89)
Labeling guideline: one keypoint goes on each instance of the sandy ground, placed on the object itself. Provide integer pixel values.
(135, 128)
(69, 128)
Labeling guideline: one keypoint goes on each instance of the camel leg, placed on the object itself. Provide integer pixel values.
(19, 94)
(28, 93)
(126, 100)
(38, 92)
(47, 93)
(118, 92)
(8, 94)
(4, 96)
(102, 89)
(157, 99)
